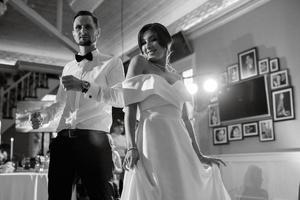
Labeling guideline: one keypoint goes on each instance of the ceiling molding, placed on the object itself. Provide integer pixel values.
(221, 16)
(42, 23)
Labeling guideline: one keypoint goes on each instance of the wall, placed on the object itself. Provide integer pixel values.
(274, 28)
(262, 176)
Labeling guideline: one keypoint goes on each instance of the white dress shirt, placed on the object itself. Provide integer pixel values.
(79, 112)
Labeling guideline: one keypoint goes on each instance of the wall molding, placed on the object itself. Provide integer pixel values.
(261, 157)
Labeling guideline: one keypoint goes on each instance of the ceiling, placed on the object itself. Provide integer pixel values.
(41, 31)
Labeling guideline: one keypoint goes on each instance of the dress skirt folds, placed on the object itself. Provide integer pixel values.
(168, 168)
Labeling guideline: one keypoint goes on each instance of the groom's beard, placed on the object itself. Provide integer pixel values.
(85, 43)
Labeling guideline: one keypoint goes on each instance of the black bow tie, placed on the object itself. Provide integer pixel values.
(88, 56)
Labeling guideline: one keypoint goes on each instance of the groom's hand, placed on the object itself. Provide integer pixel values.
(71, 83)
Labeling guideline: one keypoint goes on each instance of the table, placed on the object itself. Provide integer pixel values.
(23, 186)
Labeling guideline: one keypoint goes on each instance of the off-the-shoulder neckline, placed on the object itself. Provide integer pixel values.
(160, 77)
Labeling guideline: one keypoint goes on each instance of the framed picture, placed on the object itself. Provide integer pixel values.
(263, 66)
(266, 130)
(233, 73)
(235, 132)
(279, 79)
(248, 63)
(214, 115)
(214, 98)
(274, 64)
(283, 104)
(250, 129)
(220, 135)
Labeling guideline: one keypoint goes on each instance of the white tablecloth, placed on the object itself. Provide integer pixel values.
(23, 186)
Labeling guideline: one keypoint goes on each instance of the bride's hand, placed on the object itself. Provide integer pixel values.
(131, 158)
(210, 161)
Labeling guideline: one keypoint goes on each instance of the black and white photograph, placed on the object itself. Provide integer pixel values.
(279, 79)
(248, 63)
(220, 135)
(233, 73)
(149, 100)
(283, 104)
(263, 66)
(266, 130)
(235, 132)
(274, 64)
(214, 115)
(250, 129)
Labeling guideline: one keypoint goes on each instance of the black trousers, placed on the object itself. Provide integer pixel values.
(85, 154)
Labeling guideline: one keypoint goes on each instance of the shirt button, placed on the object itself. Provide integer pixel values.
(90, 96)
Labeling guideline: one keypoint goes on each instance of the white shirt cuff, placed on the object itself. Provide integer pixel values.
(93, 92)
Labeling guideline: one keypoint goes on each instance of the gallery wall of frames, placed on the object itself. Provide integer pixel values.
(280, 99)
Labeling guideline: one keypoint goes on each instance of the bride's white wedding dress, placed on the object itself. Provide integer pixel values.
(168, 168)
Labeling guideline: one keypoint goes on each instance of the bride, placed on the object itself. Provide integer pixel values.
(163, 160)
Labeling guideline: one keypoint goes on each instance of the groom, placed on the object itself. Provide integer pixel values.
(81, 147)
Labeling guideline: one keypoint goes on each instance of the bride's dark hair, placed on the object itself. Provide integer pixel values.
(163, 36)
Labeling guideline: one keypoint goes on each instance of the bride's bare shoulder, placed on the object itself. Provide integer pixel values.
(138, 59)
(137, 66)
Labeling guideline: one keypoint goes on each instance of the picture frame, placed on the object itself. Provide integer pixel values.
(266, 130)
(263, 66)
(274, 64)
(248, 63)
(279, 79)
(220, 136)
(283, 104)
(214, 115)
(235, 132)
(233, 73)
(214, 98)
(250, 129)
